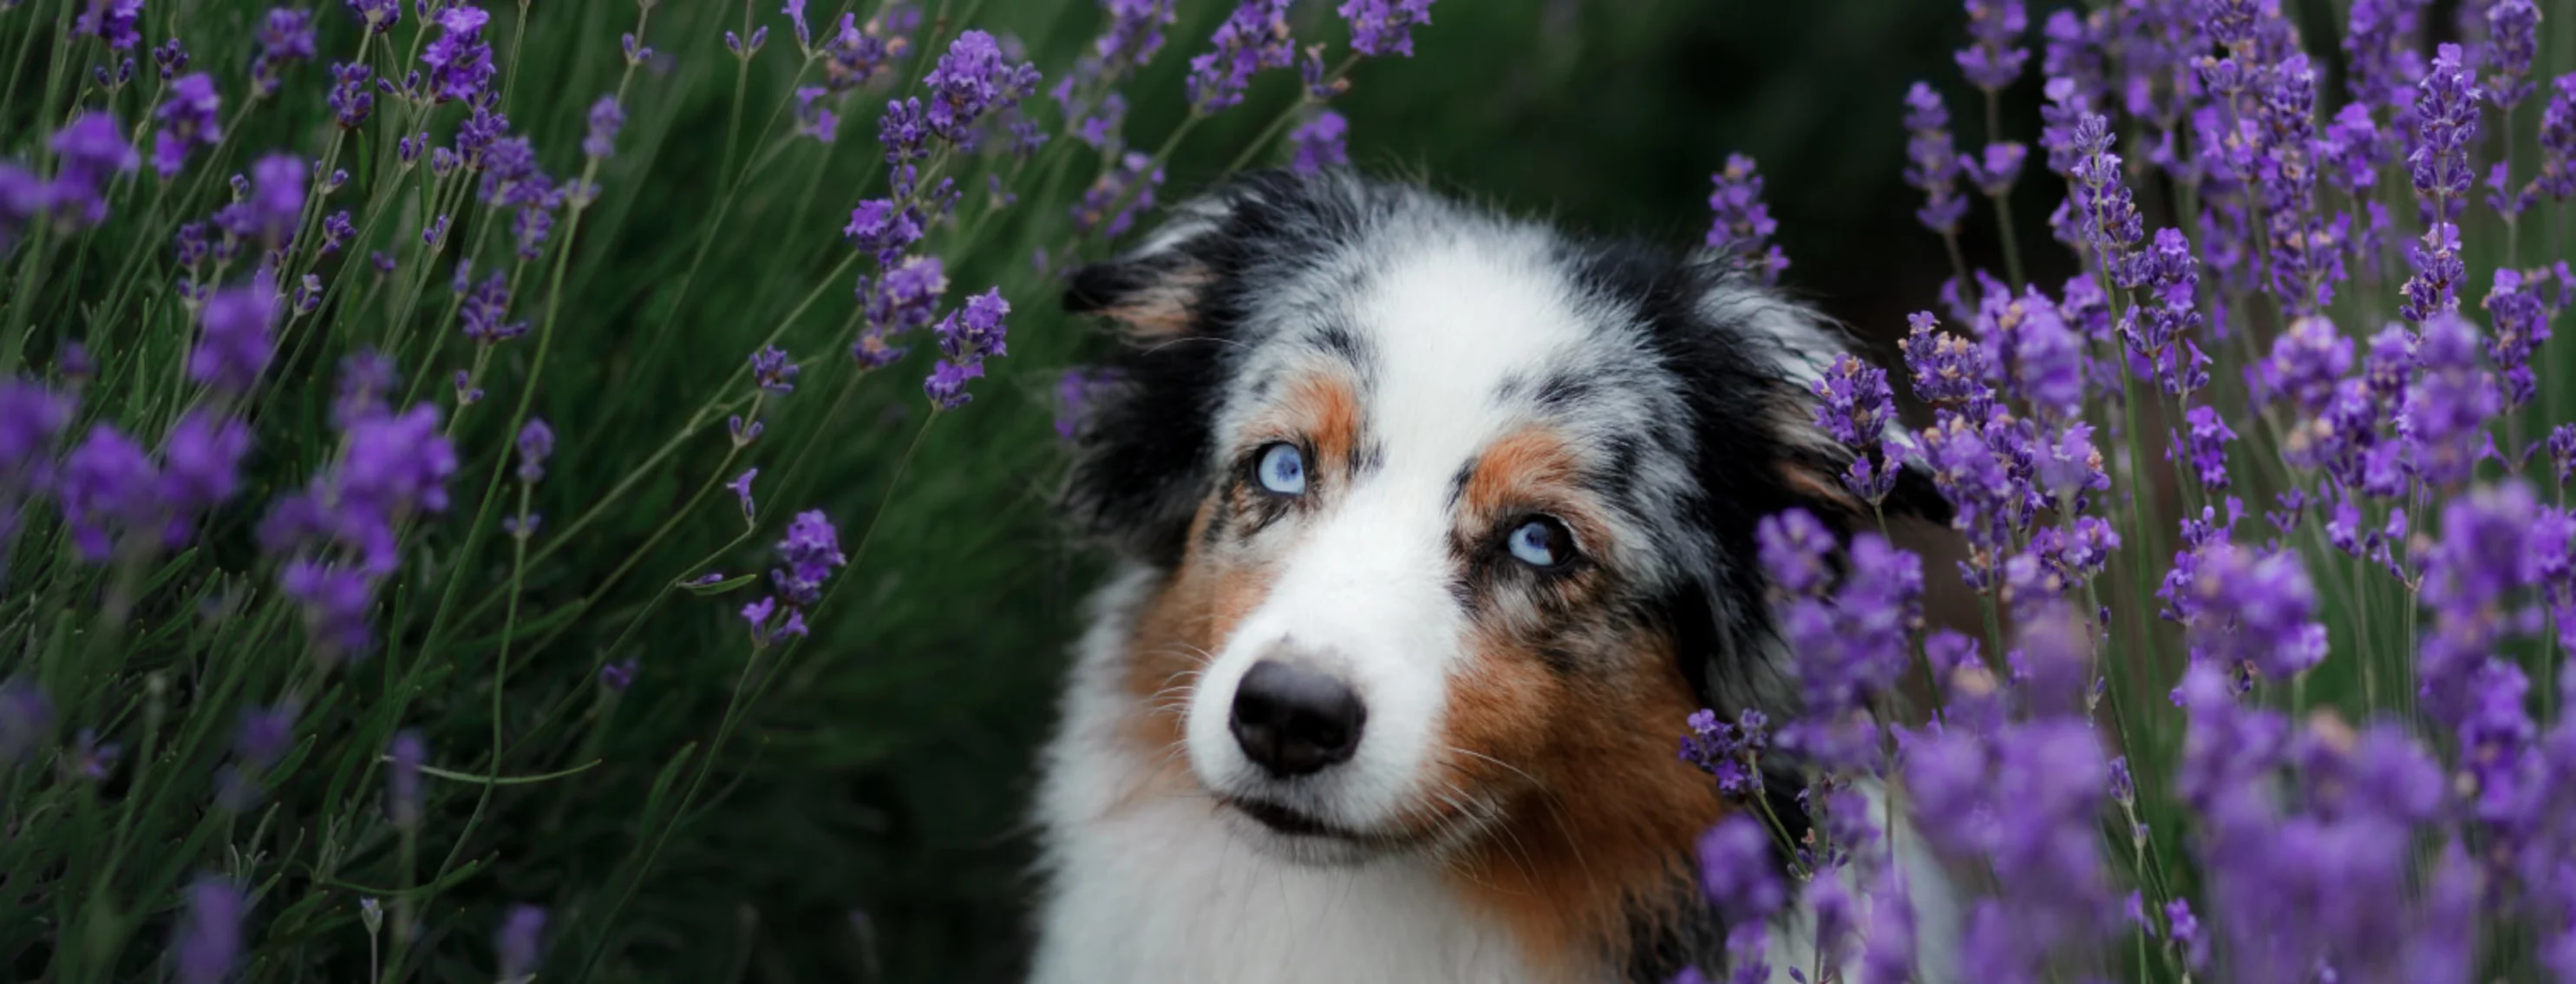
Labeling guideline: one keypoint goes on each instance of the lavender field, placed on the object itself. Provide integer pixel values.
(495, 489)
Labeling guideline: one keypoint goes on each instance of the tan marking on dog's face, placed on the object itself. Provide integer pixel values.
(1566, 713)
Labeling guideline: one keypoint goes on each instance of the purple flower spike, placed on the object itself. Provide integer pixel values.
(966, 338)
(113, 21)
(1320, 143)
(1254, 37)
(2203, 446)
(518, 942)
(1994, 58)
(379, 16)
(973, 80)
(1932, 160)
(285, 37)
(1384, 27)
(209, 935)
(459, 62)
(188, 121)
(773, 370)
(1128, 187)
(200, 469)
(108, 490)
(536, 443)
(605, 118)
(2513, 39)
(2446, 112)
(26, 720)
(1743, 225)
(1738, 870)
(618, 676)
(741, 486)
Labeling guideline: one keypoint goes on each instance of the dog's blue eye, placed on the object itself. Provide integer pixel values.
(1282, 469)
(1541, 542)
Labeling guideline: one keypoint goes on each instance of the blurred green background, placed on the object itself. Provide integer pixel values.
(889, 775)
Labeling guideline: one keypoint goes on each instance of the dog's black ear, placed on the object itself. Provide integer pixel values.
(1140, 463)
(1180, 305)
(1795, 347)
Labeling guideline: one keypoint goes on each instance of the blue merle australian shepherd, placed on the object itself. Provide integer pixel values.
(1435, 526)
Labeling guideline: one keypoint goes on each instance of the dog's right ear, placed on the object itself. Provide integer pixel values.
(1142, 461)
(1153, 292)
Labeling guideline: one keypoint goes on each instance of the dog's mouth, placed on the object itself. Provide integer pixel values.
(1290, 822)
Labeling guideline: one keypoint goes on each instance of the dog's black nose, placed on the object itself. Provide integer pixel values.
(1292, 720)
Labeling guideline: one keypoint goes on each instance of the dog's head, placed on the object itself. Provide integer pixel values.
(1456, 513)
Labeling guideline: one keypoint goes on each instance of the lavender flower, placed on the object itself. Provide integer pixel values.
(1995, 172)
(31, 417)
(208, 939)
(966, 337)
(618, 676)
(170, 58)
(1252, 38)
(460, 64)
(1743, 226)
(90, 150)
(112, 21)
(810, 552)
(2521, 316)
(2448, 403)
(2557, 176)
(1995, 27)
(773, 370)
(813, 119)
(1932, 161)
(485, 310)
(856, 54)
(1135, 31)
(188, 121)
(108, 488)
(378, 16)
(353, 94)
(1729, 751)
(26, 719)
(971, 81)
(2252, 611)
(1128, 188)
(2203, 445)
(1320, 143)
(536, 443)
(2110, 221)
(1078, 392)
(285, 37)
(2446, 111)
(605, 118)
(518, 940)
(741, 486)
(2513, 29)
(200, 469)
(1738, 872)
(1384, 27)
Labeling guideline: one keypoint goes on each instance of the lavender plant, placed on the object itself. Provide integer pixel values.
(2264, 511)
(300, 487)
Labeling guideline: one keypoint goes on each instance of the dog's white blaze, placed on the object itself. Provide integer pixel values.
(1364, 591)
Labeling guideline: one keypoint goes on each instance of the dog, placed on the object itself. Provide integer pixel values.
(1434, 526)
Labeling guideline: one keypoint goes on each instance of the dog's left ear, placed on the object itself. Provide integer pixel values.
(1793, 347)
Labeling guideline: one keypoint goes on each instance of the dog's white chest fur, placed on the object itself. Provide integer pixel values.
(1149, 889)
